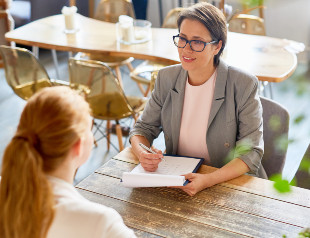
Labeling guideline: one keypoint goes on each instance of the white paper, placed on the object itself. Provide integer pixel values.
(168, 173)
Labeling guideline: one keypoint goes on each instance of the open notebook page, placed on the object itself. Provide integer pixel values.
(168, 173)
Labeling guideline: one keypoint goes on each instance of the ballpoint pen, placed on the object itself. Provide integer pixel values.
(149, 149)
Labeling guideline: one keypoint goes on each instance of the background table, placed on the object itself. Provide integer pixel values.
(242, 207)
(263, 56)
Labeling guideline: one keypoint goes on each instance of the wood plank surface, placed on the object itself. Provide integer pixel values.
(154, 222)
(249, 184)
(219, 207)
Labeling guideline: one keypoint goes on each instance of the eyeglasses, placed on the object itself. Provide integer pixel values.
(196, 45)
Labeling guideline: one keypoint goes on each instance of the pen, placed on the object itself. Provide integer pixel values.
(148, 149)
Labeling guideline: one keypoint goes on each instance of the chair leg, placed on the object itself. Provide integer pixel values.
(129, 65)
(119, 135)
(108, 134)
(270, 89)
(56, 63)
(119, 75)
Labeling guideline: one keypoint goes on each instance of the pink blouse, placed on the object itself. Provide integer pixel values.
(194, 121)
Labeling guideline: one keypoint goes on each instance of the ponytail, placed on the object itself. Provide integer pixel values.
(26, 199)
(53, 120)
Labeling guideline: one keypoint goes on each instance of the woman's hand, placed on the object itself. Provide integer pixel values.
(150, 161)
(197, 182)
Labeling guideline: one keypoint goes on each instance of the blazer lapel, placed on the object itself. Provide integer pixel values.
(219, 91)
(177, 100)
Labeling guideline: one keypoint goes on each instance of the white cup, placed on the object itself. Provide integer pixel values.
(69, 15)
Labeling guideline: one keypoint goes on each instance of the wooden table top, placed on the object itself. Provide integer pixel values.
(243, 207)
(265, 57)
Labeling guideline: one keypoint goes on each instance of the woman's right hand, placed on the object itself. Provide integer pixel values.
(150, 161)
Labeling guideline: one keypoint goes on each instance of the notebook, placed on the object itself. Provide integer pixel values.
(169, 173)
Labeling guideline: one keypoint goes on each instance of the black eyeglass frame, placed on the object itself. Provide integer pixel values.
(190, 43)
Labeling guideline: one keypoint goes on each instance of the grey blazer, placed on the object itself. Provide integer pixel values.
(235, 116)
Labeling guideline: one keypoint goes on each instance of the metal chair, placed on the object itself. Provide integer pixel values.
(276, 126)
(24, 73)
(104, 94)
(302, 176)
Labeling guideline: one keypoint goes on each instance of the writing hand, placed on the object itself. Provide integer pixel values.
(150, 161)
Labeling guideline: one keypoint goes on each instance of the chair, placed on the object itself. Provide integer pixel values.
(142, 73)
(302, 176)
(276, 126)
(24, 73)
(247, 24)
(171, 18)
(104, 94)
(110, 10)
(6, 24)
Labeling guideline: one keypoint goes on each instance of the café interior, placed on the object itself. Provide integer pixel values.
(268, 38)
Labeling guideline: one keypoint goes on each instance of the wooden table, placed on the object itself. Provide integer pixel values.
(242, 207)
(265, 57)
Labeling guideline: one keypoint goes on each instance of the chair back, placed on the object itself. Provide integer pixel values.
(276, 126)
(247, 24)
(171, 19)
(110, 10)
(101, 89)
(23, 72)
(302, 176)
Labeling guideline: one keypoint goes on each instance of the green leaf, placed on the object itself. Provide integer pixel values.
(281, 185)
(305, 165)
(275, 122)
(305, 233)
(299, 119)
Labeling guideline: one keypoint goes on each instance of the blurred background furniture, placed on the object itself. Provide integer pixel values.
(303, 175)
(276, 127)
(109, 11)
(25, 11)
(142, 73)
(104, 95)
(6, 23)
(24, 73)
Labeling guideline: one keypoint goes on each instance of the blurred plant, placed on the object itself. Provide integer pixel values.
(240, 149)
(304, 234)
(282, 185)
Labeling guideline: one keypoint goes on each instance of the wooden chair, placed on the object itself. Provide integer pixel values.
(24, 73)
(276, 126)
(104, 94)
(302, 176)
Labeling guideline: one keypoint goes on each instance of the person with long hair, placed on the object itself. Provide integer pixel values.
(204, 107)
(37, 199)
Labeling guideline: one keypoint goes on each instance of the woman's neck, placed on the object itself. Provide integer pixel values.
(66, 171)
(199, 77)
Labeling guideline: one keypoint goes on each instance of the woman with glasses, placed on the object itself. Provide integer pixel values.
(37, 199)
(205, 108)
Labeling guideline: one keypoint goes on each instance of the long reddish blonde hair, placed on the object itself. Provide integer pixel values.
(52, 121)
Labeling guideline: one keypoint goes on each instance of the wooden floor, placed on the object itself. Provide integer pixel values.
(293, 93)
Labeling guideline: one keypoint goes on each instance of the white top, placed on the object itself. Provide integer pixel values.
(77, 217)
(195, 117)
